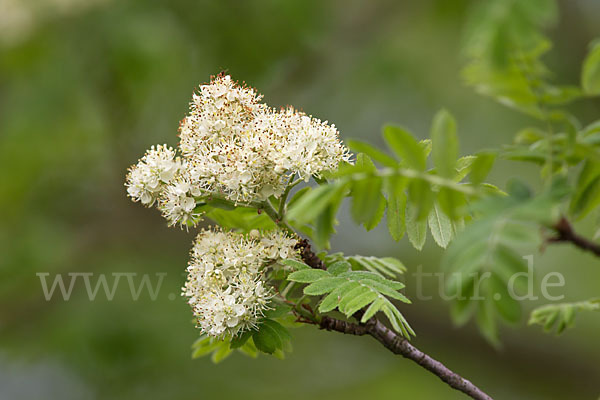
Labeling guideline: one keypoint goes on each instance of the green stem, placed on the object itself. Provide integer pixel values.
(272, 213)
(287, 289)
(411, 173)
(309, 315)
(284, 196)
(538, 94)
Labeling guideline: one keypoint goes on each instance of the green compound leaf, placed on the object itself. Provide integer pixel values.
(404, 189)
(354, 290)
(561, 316)
(487, 255)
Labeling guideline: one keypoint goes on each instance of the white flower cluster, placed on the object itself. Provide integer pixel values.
(225, 285)
(247, 150)
(147, 179)
(235, 147)
(300, 144)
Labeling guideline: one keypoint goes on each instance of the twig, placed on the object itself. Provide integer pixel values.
(390, 339)
(399, 345)
(565, 233)
(308, 256)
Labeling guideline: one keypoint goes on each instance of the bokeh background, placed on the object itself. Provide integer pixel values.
(87, 85)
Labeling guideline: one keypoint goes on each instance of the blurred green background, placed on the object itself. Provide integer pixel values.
(87, 85)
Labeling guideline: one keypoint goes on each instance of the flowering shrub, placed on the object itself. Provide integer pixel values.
(239, 163)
